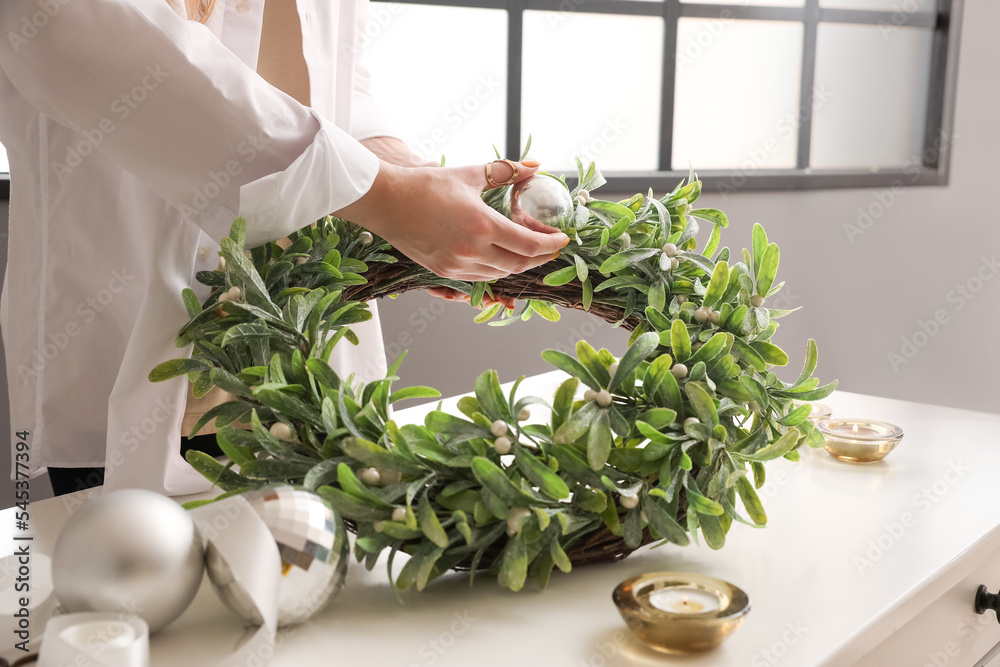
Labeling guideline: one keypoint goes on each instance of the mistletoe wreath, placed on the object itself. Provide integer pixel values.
(659, 446)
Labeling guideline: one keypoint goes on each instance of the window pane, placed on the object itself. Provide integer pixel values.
(899, 7)
(750, 3)
(442, 74)
(737, 94)
(4, 165)
(872, 95)
(608, 108)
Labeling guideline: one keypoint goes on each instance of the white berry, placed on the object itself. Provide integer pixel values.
(674, 263)
(223, 297)
(679, 370)
(399, 514)
(370, 476)
(523, 414)
(514, 519)
(502, 445)
(756, 301)
(367, 238)
(715, 317)
(702, 314)
(584, 193)
(222, 264)
(681, 298)
(589, 395)
(604, 398)
(235, 293)
(389, 476)
(691, 420)
(613, 368)
(498, 428)
(281, 431)
(628, 502)
(669, 249)
(299, 261)
(377, 526)
(581, 200)
(626, 239)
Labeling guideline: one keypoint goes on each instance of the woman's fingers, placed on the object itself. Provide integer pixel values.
(502, 172)
(454, 295)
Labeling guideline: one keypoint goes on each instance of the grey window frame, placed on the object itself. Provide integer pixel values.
(935, 167)
(935, 159)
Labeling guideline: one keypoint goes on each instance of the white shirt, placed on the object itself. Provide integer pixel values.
(135, 138)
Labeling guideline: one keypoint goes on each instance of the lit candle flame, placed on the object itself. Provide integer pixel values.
(855, 429)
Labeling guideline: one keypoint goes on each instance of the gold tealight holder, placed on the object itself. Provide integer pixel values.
(676, 612)
(859, 440)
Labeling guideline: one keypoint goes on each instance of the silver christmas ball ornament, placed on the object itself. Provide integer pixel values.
(542, 198)
(312, 543)
(131, 550)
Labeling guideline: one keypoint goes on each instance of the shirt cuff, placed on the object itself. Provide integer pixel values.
(333, 172)
(369, 119)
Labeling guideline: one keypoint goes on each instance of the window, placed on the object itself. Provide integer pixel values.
(754, 94)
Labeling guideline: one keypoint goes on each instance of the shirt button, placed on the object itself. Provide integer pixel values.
(242, 7)
(202, 253)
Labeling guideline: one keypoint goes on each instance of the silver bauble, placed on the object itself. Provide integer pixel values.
(313, 547)
(130, 550)
(542, 198)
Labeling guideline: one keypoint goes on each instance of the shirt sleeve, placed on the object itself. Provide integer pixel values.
(368, 117)
(169, 102)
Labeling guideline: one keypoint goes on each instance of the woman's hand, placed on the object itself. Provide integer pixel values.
(435, 216)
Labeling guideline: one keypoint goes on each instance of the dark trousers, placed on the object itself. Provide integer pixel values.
(68, 480)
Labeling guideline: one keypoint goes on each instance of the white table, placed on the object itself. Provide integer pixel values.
(860, 564)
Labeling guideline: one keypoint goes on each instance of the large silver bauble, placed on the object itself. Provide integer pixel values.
(130, 550)
(542, 198)
(313, 547)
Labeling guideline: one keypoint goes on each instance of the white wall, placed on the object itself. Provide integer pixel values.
(859, 299)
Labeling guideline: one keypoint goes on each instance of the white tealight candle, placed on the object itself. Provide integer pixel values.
(99, 635)
(685, 600)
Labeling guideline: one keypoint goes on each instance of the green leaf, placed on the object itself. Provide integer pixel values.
(776, 449)
(176, 367)
(659, 517)
(562, 402)
(627, 258)
(751, 501)
(768, 269)
(634, 356)
(701, 503)
(680, 341)
(577, 424)
(413, 392)
(374, 456)
(571, 366)
(541, 475)
(494, 479)
(560, 276)
(220, 475)
(812, 357)
(703, 404)
(430, 525)
(717, 285)
(191, 302)
(581, 268)
(490, 397)
(713, 215)
(599, 441)
(759, 246)
(545, 309)
(514, 564)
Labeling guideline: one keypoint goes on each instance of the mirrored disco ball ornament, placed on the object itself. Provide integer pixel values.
(540, 197)
(130, 550)
(312, 543)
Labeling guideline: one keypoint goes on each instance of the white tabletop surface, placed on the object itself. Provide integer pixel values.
(829, 578)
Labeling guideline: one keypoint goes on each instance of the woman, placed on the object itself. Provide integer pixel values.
(137, 131)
